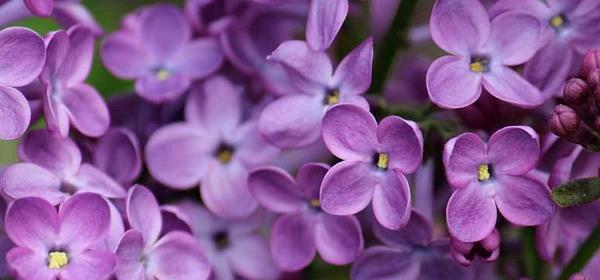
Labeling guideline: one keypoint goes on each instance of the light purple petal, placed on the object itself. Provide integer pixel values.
(275, 189)
(325, 18)
(41, 229)
(116, 229)
(57, 49)
(462, 156)
(471, 213)
(29, 264)
(514, 37)
(524, 201)
(118, 154)
(338, 238)
(309, 178)
(403, 142)
(224, 186)
(451, 84)
(87, 110)
(381, 263)
(163, 30)
(77, 64)
(251, 147)
(251, 258)
(418, 232)
(143, 213)
(391, 200)
(198, 59)
(459, 27)
(507, 85)
(514, 150)
(22, 56)
(123, 57)
(353, 75)
(547, 237)
(25, 179)
(84, 221)
(128, 253)
(548, 71)
(157, 90)
(216, 106)
(347, 188)
(382, 14)
(15, 113)
(91, 264)
(68, 14)
(293, 242)
(90, 179)
(178, 256)
(56, 114)
(51, 151)
(40, 8)
(350, 132)
(312, 65)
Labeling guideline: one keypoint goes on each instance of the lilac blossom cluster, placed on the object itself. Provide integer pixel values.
(255, 136)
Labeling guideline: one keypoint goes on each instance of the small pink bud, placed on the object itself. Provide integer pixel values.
(593, 78)
(576, 91)
(591, 62)
(564, 121)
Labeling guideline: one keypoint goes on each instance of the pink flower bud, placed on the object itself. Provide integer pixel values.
(576, 91)
(564, 121)
(591, 61)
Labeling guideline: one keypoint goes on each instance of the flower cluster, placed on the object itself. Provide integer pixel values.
(282, 139)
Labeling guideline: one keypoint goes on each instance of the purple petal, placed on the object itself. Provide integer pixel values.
(353, 75)
(143, 213)
(87, 110)
(251, 258)
(157, 90)
(507, 85)
(22, 56)
(220, 113)
(548, 71)
(312, 65)
(347, 188)
(514, 150)
(418, 232)
(459, 27)
(514, 37)
(471, 213)
(382, 14)
(177, 155)
(524, 201)
(77, 64)
(350, 132)
(15, 113)
(173, 219)
(118, 154)
(462, 156)
(26, 179)
(164, 30)
(84, 221)
(123, 57)
(403, 141)
(293, 242)
(338, 239)
(29, 264)
(275, 189)
(32, 222)
(56, 114)
(91, 179)
(547, 237)
(129, 252)
(380, 263)
(116, 229)
(51, 151)
(391, 200)
(178, 256)
(251, 148)
(199, 58)
(224, 186)
(309, 178)
(91, 264)
(57, 49)
(40, 8)
(451, 84)
(68, 14)
(325, 18)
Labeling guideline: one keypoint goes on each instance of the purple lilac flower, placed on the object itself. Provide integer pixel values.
(144, 254)
(491, 176)
(294, 119)
(23, 56)
(214, 147)
(481, 53)
(5, 243)
(52, 169)
(487, 249)
(156, 49)
(118, 154)
(234, 248)
(409, 253)
(68, 99)
(304, 228)
(375, 159)
(382, 15)
(61, 245)
(570, 28)
(214, 16)
(406, 85)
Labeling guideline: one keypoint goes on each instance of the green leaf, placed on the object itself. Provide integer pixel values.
(577, 192)
(586, 251)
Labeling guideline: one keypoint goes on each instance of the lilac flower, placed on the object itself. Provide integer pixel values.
(570, 28)
(5, 243)
(382, 14)
(294, 119)
(68, 98)
(214, 148)
(494, 175)
(143, 254)
(233, 247)
(156, 49)
(482, 51)
(52, 169)
(408, 253)
(214, 16)
(23, 56)
(304, 229)
(61, 245)
(407, 84)
(487, 249)
(376, 157)
(119, 155)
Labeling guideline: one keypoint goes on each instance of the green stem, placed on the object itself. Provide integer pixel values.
(389, 45)
(531, 261)
(586, 251)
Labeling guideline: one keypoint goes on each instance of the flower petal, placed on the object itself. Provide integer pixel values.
(15, 113)
(548, 71)
(514, 150)
(40, 8)
(178, 256)
(225, 186)
(87, 110)
(216, 106)
(391, 200)
(275, 189)
(22, 56)
(338, 238)
(471, 213)
(462, 156)
(84, 221)
(514, 37)
(325, 18)
(90, 179)
(143, 213)
(26, 179)
(309, 178)
(251, 258)
(451, 84)
(77, 64)
(157, 90)
(380, 263)
(199, 58)
(118, 154)
(403, 141)
(507, 85)
(353, 75)
(91, 264)
(350, 132)
(347, 188)
(32, 222)
(68, 14)
(297, 56)
(28, 264)
(51, 151)
(128, 253)
(524, 201)
(123, 57)
(418, 232)
(293, 242)
(164, 30)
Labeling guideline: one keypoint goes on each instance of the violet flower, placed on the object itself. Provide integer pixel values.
(491, 176)
(304, 229)
(213, 148)
(144, 254)
(52, 169)
(487, 249)
(68, 98)
(61, 245)
(23, 56)
(118, 154)
(156, 49)
(481, 53)
(408, 253)
(375, 159)
(294, 119)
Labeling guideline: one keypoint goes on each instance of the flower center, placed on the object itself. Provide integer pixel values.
(224, 153)
(484, 172)
(381, 160)
(479, 64)
(221, 240)
(557, 21)
(315, 203)
(57, 259)
(332, 97)
(162, 74)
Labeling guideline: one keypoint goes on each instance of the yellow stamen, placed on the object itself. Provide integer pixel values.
(224, 156)
(477, 66)
(333, 97)
(315, 203)
(382, 161)
(57, 260)
(162, 74)
(483, 172)
(557, 21)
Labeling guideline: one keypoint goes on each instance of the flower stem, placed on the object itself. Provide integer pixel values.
(586, 251)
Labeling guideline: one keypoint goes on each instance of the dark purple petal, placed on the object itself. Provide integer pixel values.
(338, 238)
(309, 179)
(276, 190)
(471, 213)
(84, 221)
(347, 188)
(143, 213)
(402, 140)
(293, 241)
(118, 154)
(418, 232)
(51, 151)
(381, 263)
(33, 223)
(325, 18)
(350, 132)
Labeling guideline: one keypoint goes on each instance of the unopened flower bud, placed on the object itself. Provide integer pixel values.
(593, 78)
(576, 91)
(564, 121)
(591, 62)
